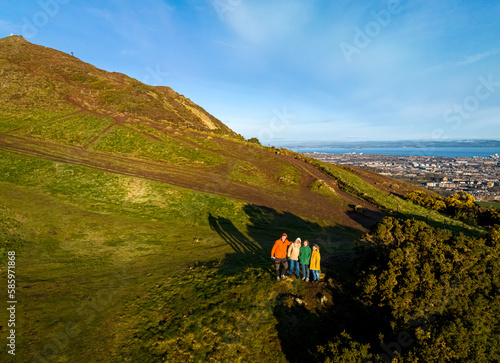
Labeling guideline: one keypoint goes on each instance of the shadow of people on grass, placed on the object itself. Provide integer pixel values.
(231, 235)
(248, 253)
(265, 226)
(301, 328)
(365, 217)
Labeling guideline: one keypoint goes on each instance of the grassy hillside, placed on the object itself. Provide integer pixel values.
(116, 255)
(142, 225)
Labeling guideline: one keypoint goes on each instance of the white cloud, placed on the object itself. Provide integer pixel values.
(474, 58)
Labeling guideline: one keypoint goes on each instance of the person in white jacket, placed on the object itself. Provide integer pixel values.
(293, 254)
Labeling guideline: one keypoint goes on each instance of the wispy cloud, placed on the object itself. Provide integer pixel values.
(265, 23)
(474, 58)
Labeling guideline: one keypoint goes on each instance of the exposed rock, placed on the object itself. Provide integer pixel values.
(322, 299)
(300, 301)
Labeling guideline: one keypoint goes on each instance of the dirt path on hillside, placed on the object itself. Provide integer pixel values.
(383, 182)
(370, 214)
(209, 179)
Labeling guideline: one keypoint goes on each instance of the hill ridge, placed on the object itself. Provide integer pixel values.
(75, 83)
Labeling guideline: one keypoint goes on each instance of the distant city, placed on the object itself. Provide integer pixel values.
(478, 176)
(422, 144)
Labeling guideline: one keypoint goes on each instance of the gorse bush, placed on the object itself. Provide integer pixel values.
(421, 198)
(461, 206)
(437, 290)
(254, 140)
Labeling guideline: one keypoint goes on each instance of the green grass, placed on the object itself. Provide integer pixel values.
(113, 193)
(74, 228)
(203, 315)
(167, 149)
(245, 172)
(289, 175)
(75, 130)
(320, 187)
(112, 256)
(14, 119)
(490, 204)
(143, 271)
(144, 128)
(206, 142)
(117, 262)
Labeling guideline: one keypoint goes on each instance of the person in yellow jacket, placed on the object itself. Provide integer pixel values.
(293, 254)
(315, 263)
(278, 254)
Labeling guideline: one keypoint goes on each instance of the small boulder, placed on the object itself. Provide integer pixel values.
(322, 299)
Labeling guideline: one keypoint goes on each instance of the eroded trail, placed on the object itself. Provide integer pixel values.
(209, 179)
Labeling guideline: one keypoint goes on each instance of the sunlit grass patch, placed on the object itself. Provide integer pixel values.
(76, 130)
(245, 172)
(289, 175)
(168, 149)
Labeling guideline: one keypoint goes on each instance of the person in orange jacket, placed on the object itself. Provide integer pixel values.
(278, 254)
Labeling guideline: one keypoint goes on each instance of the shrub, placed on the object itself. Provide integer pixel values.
(419, 197)
(254, 140)
(438, 288)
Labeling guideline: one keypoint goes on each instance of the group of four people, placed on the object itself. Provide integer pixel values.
(297, 252)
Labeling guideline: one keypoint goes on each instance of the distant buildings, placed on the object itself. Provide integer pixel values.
(477, 176)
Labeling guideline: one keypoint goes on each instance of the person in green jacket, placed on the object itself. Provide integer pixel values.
(305, 259)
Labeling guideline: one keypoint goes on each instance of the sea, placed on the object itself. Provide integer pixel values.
(454, 152)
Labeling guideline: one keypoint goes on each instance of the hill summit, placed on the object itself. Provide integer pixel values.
(36, 79)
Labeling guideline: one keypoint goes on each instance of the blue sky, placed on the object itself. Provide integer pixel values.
(295, 70)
